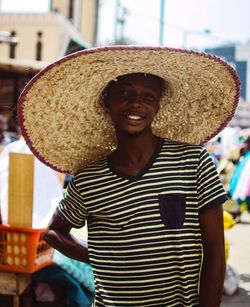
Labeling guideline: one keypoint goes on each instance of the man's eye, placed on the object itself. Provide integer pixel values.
(123, 93)
(149, 97)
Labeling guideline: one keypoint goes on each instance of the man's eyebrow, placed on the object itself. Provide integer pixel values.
(130, 83)
(120, 83)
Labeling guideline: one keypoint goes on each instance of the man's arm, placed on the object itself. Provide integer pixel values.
(58, 236)
(213, 267)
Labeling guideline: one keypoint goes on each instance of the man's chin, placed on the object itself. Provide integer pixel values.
(133, 132)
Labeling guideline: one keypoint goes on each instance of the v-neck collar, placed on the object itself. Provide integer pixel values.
(143, 171)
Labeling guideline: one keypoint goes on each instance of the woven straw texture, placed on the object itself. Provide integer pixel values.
(66, 126)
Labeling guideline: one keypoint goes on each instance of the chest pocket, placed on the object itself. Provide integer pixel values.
(172, 209)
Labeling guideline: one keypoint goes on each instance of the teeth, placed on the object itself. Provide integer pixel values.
(135, 117)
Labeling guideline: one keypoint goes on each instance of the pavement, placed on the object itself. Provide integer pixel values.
(239, 256)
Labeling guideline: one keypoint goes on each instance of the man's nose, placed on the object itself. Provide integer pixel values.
(135, 100)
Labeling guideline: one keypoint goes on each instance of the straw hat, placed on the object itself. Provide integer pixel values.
(65, 124)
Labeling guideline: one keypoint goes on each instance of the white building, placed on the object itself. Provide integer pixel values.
(68, 26)
(38, 39)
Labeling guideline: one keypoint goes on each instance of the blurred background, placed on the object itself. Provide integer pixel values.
(36, 33)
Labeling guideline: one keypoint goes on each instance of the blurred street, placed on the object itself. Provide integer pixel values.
(239, 255)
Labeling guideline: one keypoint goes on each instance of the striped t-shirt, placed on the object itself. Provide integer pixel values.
(144, 238)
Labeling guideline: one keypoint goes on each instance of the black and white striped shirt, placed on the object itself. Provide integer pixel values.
(143, 231)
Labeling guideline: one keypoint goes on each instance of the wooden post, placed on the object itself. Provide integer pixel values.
(21, 182)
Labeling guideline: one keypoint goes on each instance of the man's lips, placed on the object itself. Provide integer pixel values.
(134, 116)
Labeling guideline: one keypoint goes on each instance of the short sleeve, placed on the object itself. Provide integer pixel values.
(209, 187)
(71, 207)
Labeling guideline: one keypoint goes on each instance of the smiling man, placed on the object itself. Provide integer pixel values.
(144, 240)
(132, 102)
(152, 199)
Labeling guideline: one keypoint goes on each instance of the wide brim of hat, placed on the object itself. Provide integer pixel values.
(66, 126)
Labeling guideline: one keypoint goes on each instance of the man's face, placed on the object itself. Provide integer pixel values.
(133, 101)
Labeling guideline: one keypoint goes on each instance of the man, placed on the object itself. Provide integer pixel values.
(153, 205)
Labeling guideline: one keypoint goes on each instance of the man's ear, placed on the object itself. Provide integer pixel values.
(105, 102)
(158, 108)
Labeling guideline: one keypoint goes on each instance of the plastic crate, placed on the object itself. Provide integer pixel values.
(23, 249)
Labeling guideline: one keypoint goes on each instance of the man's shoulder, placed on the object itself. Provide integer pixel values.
(93, 169)
(182, 146)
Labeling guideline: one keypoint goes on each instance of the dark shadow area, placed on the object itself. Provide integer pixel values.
(241, 298)
(244, 222)
(245, 277)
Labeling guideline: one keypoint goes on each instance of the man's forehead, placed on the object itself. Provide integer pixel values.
(130, 79)
(136, 76)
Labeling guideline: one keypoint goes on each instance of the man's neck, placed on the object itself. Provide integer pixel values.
(134, 152)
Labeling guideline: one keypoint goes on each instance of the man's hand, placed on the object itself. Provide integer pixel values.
(58, 236)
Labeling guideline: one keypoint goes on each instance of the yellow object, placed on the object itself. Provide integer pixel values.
(229, 222)
(226, 249)
(61, 177)
(21, 178)
(243, 207)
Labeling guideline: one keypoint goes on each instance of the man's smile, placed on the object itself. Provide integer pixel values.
(134, 117)
(133, 102)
